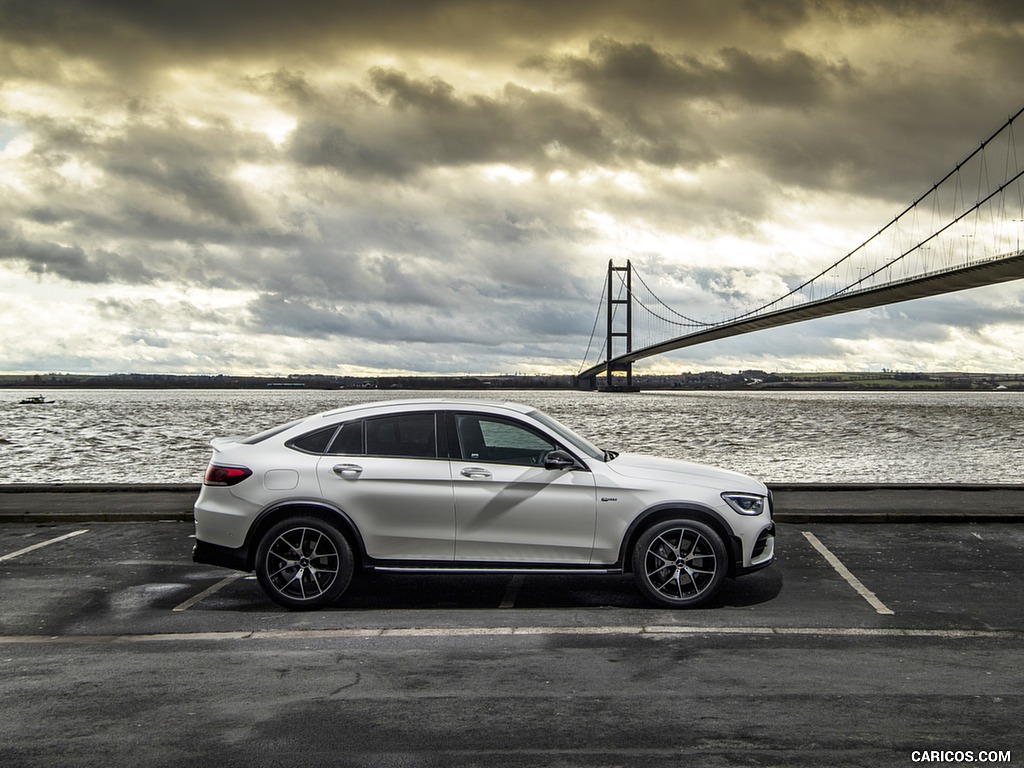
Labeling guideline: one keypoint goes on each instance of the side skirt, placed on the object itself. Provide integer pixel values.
(547, 570)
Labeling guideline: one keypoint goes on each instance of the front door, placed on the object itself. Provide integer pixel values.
(508, 507)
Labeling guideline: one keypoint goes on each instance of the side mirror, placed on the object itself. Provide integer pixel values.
(559, 460)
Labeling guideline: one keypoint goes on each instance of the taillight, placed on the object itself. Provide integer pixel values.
(218, 475)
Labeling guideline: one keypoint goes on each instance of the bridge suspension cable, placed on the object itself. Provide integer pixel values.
(1013, 171)
(937, 238)
(593, 332)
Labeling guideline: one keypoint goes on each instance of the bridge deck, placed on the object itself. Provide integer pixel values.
(998, 270)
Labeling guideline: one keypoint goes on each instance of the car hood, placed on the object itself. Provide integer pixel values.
(675, 471)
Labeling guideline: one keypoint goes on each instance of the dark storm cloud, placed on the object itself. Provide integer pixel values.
(389, 323)
(322, 275)
(885, 140)
(151, 314)
(165, 184)
(91, 266)
(619, 75)
(643, 93)
(187, 165)
(159, 158)
(43, 258)
(804, 120)
(326, 143)
(125, 34)
(121, 32)
(170, 159)
(426, 123)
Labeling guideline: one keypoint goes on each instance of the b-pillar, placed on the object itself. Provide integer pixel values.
(619, 327)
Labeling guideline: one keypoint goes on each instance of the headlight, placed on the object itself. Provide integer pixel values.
(745, 503)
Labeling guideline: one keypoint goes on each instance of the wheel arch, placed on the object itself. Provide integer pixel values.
(669, 511)
(271, 516)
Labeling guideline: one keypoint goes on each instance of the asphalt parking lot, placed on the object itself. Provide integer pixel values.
(861, 645)
(101, 579)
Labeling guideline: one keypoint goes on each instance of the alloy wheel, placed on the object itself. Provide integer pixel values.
(680, 563)
(302, 563)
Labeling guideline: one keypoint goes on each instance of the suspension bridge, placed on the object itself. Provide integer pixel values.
(963, 232)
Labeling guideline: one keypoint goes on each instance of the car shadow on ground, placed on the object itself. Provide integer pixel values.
(372, 591)
(376, 591)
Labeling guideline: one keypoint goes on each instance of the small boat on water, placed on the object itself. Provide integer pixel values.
(35, 400)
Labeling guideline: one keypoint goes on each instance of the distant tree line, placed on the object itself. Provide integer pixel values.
(705, 380)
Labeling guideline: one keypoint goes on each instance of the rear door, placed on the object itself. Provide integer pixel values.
(391, 476)
(508, 507)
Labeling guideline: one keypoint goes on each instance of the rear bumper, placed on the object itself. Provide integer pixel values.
(214, 554)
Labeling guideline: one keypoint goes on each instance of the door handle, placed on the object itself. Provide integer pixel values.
(475, 472)
(342, 469)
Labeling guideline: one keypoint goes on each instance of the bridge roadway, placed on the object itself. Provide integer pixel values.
(862, 645)
(997, 270)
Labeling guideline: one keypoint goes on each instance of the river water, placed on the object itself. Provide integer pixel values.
(162, 436)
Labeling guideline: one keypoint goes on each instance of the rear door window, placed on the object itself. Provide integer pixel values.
(410, 435)
(349, 440)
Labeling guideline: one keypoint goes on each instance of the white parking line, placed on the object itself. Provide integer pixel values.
(208, 591)
(655, 632)
(852, 580)
(47, 543)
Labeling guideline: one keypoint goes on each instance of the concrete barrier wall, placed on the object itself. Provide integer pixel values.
(794, 503)
(96, 503)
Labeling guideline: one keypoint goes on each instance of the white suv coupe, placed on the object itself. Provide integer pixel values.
(465, 487)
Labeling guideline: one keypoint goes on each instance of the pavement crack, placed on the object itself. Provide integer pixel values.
(353, 684)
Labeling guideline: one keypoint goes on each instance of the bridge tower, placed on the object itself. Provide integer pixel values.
(619, 327)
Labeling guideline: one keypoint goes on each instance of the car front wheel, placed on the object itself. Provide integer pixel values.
(304, 563)
(679, 563)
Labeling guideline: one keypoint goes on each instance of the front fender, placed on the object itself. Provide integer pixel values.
(682, 511)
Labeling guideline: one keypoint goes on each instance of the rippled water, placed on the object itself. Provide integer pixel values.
(162, 436)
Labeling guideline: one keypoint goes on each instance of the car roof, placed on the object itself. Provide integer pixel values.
(374, 409)
(436, 403)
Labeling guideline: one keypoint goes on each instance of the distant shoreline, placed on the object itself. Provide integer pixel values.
(703, 381)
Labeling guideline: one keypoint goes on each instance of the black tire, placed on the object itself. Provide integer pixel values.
(680, 563)
(304, 563)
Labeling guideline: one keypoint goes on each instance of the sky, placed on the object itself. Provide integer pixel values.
(437, 186)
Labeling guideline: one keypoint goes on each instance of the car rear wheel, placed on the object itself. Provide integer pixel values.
(304, 563)
(679, 563)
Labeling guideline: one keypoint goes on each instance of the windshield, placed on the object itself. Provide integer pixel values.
(569, 436)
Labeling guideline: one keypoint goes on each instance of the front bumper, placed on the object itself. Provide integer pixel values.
(763, 553)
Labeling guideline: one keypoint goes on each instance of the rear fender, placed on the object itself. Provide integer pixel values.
(325, 512)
